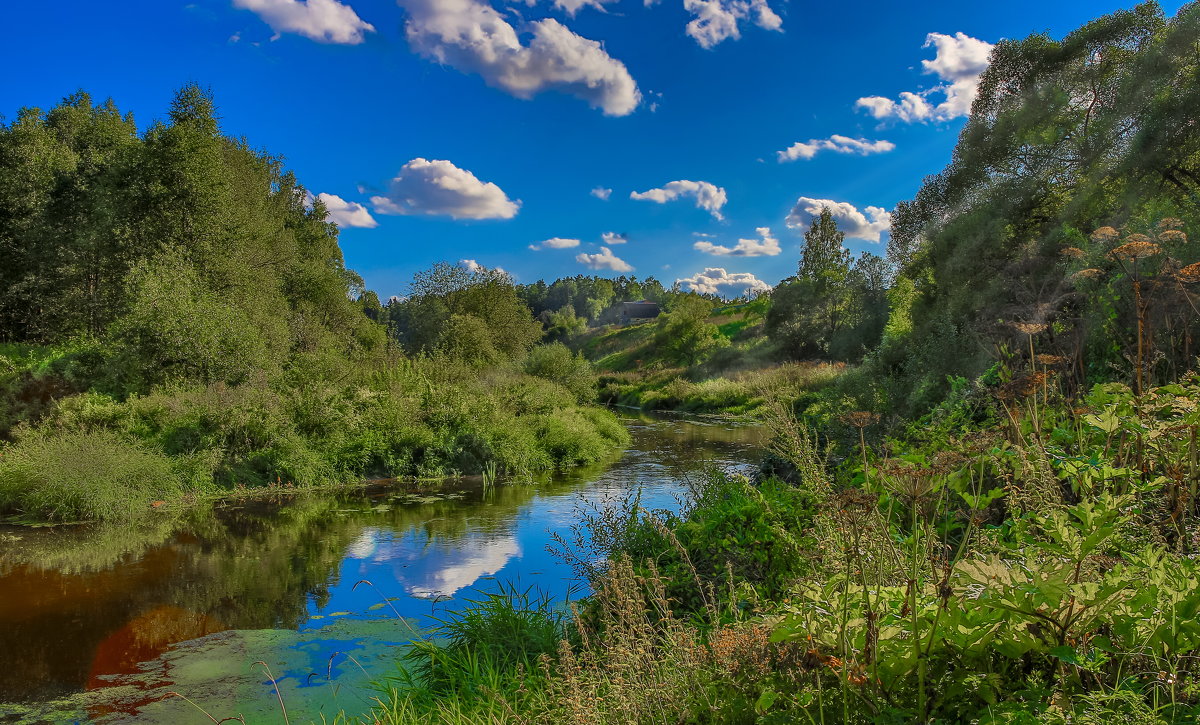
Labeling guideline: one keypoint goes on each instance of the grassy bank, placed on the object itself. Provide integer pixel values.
(735, 377)
(93, 455)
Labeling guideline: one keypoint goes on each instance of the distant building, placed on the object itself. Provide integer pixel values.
(644, 310)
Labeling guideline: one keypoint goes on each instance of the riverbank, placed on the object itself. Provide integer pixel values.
(104, 619)
(1012, 557)
(85, 454)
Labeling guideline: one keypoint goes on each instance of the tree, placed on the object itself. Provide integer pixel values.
(684, 335)
(808, 311)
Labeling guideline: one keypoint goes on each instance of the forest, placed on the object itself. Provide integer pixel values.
(980, 498)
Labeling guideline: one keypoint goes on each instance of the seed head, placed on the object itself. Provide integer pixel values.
(1030, 328)
(1104, 235)
(860, 418)
(1134, 250)
(1190, 273)
(1050, 360)
(1072, 252)
(1172, 236)
(1170, 223)
(1091, 273)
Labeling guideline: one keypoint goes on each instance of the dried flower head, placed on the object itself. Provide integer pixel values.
(1030, 328)
(1091, 273)
(907, 479)
(860, 418)
(1072, 252)
(1134, 250)
(1190, 273)
(855, 499)
(946, 461)
(1136, 238)
(1021, 386)
(1105, 235)
(1050, 360)
(1172, 236)
(1170, 223)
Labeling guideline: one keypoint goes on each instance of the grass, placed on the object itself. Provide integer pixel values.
(741, 393)
(94, 455)
(84, 476)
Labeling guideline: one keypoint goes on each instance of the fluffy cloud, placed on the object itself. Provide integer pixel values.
(715, 21)
(347, 214)
(836, 143)
(959, 63)
(708, 196)
(611, 238)
(475, 267)
(570, 7)
(555, 243)
(850, 220)
(601, 193)
(716, 281)
(604, 260)
(325, 21)
(473, 37)
(765, 246)
(441, 188)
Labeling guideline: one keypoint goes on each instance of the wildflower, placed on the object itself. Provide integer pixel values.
(860, 418)
(1104, 235)
(1172, 236)
(1087, 274)
(1030, 328)
(1135, 249)
(1190, 273)
(1072, 252)
(1050, 360)
(1022, 386)
(1170, 224)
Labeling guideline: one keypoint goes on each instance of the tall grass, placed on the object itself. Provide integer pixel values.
(77, 476)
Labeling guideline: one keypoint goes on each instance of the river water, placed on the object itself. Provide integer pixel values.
(314, 590)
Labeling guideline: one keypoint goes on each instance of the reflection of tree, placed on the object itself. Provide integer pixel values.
(73, 598)
(80, 602)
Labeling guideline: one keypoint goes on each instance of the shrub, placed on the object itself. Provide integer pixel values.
(555, 362)
(84, 476)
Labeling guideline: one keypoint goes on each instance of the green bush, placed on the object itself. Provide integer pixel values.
(84, 476)
(555, 362)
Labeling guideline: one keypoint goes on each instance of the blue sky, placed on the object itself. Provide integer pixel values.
(475, 130)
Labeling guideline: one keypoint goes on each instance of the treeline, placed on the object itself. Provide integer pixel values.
(1059, 231)
(1075, 150)
(176, 317)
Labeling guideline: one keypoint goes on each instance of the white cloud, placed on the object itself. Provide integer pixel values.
(836, 143)
(347, 214)
(604, 260)
(601, 193)
(959, 63)
(715, 21)
(473, 267)
(708, 196)
(611, 238)
(716, 281)
(325, 21)
(555, 243)
(765, 246)
(853, 222)
(570, 7)
(441, 188)
(474, 38)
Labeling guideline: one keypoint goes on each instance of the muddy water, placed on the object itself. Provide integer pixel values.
(313, 591)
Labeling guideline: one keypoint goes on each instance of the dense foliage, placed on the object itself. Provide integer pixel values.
(175, 316)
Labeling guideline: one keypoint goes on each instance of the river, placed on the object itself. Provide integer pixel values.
(316, 590)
